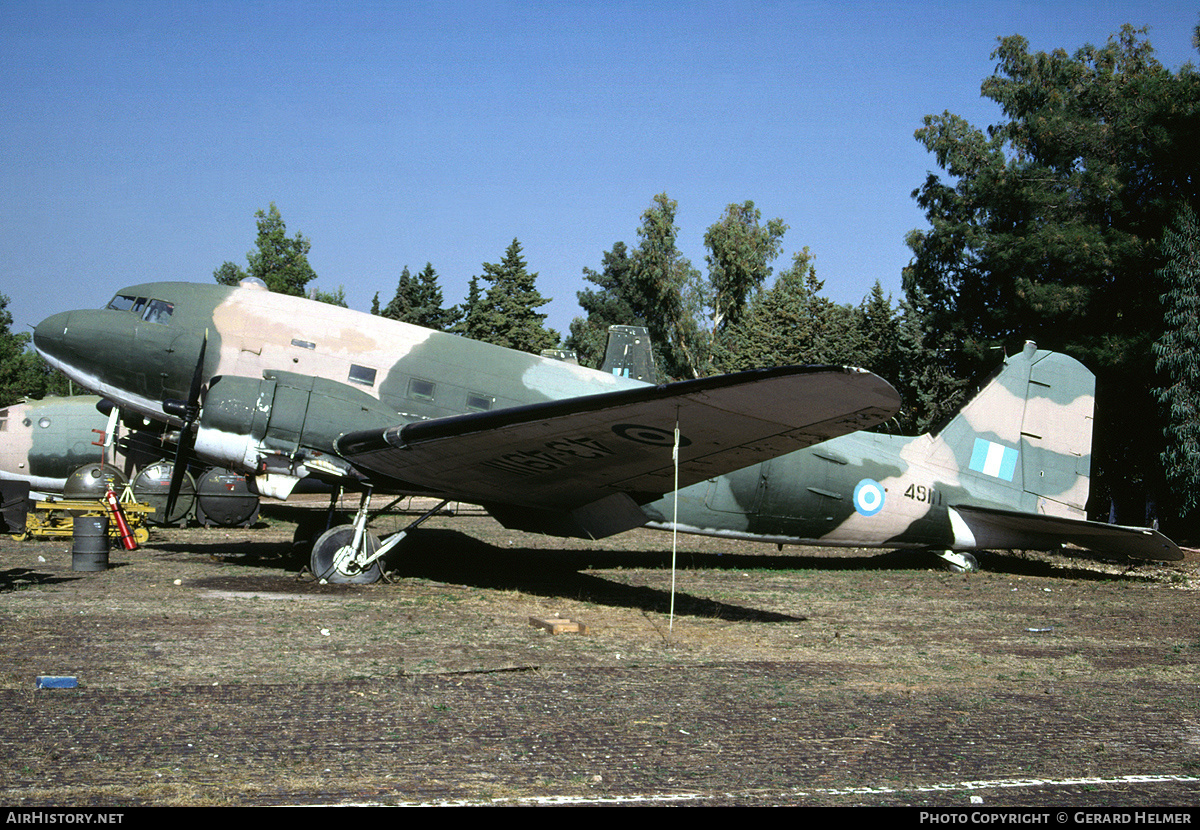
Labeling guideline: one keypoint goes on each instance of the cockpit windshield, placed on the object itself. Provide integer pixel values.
(152, 311)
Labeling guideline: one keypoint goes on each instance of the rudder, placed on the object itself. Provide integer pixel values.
(1029, 430)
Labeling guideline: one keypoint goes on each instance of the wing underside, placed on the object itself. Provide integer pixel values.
(597, 457)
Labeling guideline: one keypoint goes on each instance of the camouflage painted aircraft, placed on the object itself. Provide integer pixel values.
(45, 443)
(1010, 471)
(282, 389)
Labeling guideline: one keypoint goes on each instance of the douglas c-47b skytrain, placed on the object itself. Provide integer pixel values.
(281, 388)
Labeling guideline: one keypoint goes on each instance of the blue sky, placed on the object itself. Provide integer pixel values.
(139, 138)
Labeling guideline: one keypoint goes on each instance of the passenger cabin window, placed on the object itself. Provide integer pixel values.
(421, 389)
(362, 374)
(479, 403)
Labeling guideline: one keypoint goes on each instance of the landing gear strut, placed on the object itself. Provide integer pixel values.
(958, 562)
(351, 553)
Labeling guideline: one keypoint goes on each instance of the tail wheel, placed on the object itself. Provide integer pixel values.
(334, 560)
(959, 562)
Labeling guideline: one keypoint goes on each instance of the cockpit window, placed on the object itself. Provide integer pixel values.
(158, 311)
(122, 302)
(152, 311)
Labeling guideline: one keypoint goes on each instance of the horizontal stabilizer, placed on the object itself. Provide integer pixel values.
(1002, 529)
(569, 453)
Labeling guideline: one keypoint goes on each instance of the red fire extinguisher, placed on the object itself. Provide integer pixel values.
(118, 514)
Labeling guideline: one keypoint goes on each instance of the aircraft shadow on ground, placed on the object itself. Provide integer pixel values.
(13, 579)
(451, 556)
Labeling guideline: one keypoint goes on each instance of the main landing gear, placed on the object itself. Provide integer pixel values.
(351, 553)
(959, 562)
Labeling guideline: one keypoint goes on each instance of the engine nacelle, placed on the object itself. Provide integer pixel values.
(282, 428)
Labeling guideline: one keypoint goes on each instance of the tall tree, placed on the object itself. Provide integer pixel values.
(613, 303)
(1049, 228)
(279, 261)
(672, 293)
(401, 304)
(1178, 360)
(791, 323)
(418, 300)
(471, 321)
(509, 315)
(741, 251)
(428, 308)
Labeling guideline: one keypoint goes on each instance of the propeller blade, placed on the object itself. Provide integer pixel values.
(187, 438)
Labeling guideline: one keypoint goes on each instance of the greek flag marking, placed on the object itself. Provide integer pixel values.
(994, 459)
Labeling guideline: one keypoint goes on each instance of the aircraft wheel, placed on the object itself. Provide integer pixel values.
(332, 555)
(960, 563)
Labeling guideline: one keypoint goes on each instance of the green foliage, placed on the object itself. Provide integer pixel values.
(741, 251)
(791, 323)
(418, 300)
(1177, 362)
(229, 273)
(337, 298)
(1049, 230)
(670, 294)
(507, 315)
(23, 374)
(471, 322)
(752, 327)
(278, 261)
(615, 304)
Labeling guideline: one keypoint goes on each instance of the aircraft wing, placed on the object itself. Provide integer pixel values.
(599, 456)
(1012, 529)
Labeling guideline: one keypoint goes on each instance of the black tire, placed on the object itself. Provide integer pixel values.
(326, 548)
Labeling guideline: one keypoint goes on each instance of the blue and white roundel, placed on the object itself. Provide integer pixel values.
(868, 497)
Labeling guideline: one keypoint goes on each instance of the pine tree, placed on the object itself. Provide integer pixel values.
(791, 323)
(471, 322)
(426, 306)
(614, 304)
(400, 307)
(509, 315)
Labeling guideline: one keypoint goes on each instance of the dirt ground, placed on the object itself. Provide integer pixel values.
(213, 671)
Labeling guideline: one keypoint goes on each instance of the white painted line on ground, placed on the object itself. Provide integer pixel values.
(760, 795)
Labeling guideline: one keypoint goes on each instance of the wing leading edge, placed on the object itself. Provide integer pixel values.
(597, 457)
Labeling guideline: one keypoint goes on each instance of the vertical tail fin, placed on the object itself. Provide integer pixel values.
(629, 353)
(1029, 431)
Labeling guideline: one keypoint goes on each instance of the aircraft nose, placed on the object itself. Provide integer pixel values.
(49, 336)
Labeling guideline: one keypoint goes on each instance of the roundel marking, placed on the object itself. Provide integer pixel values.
(868, 497)
(649, 435)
